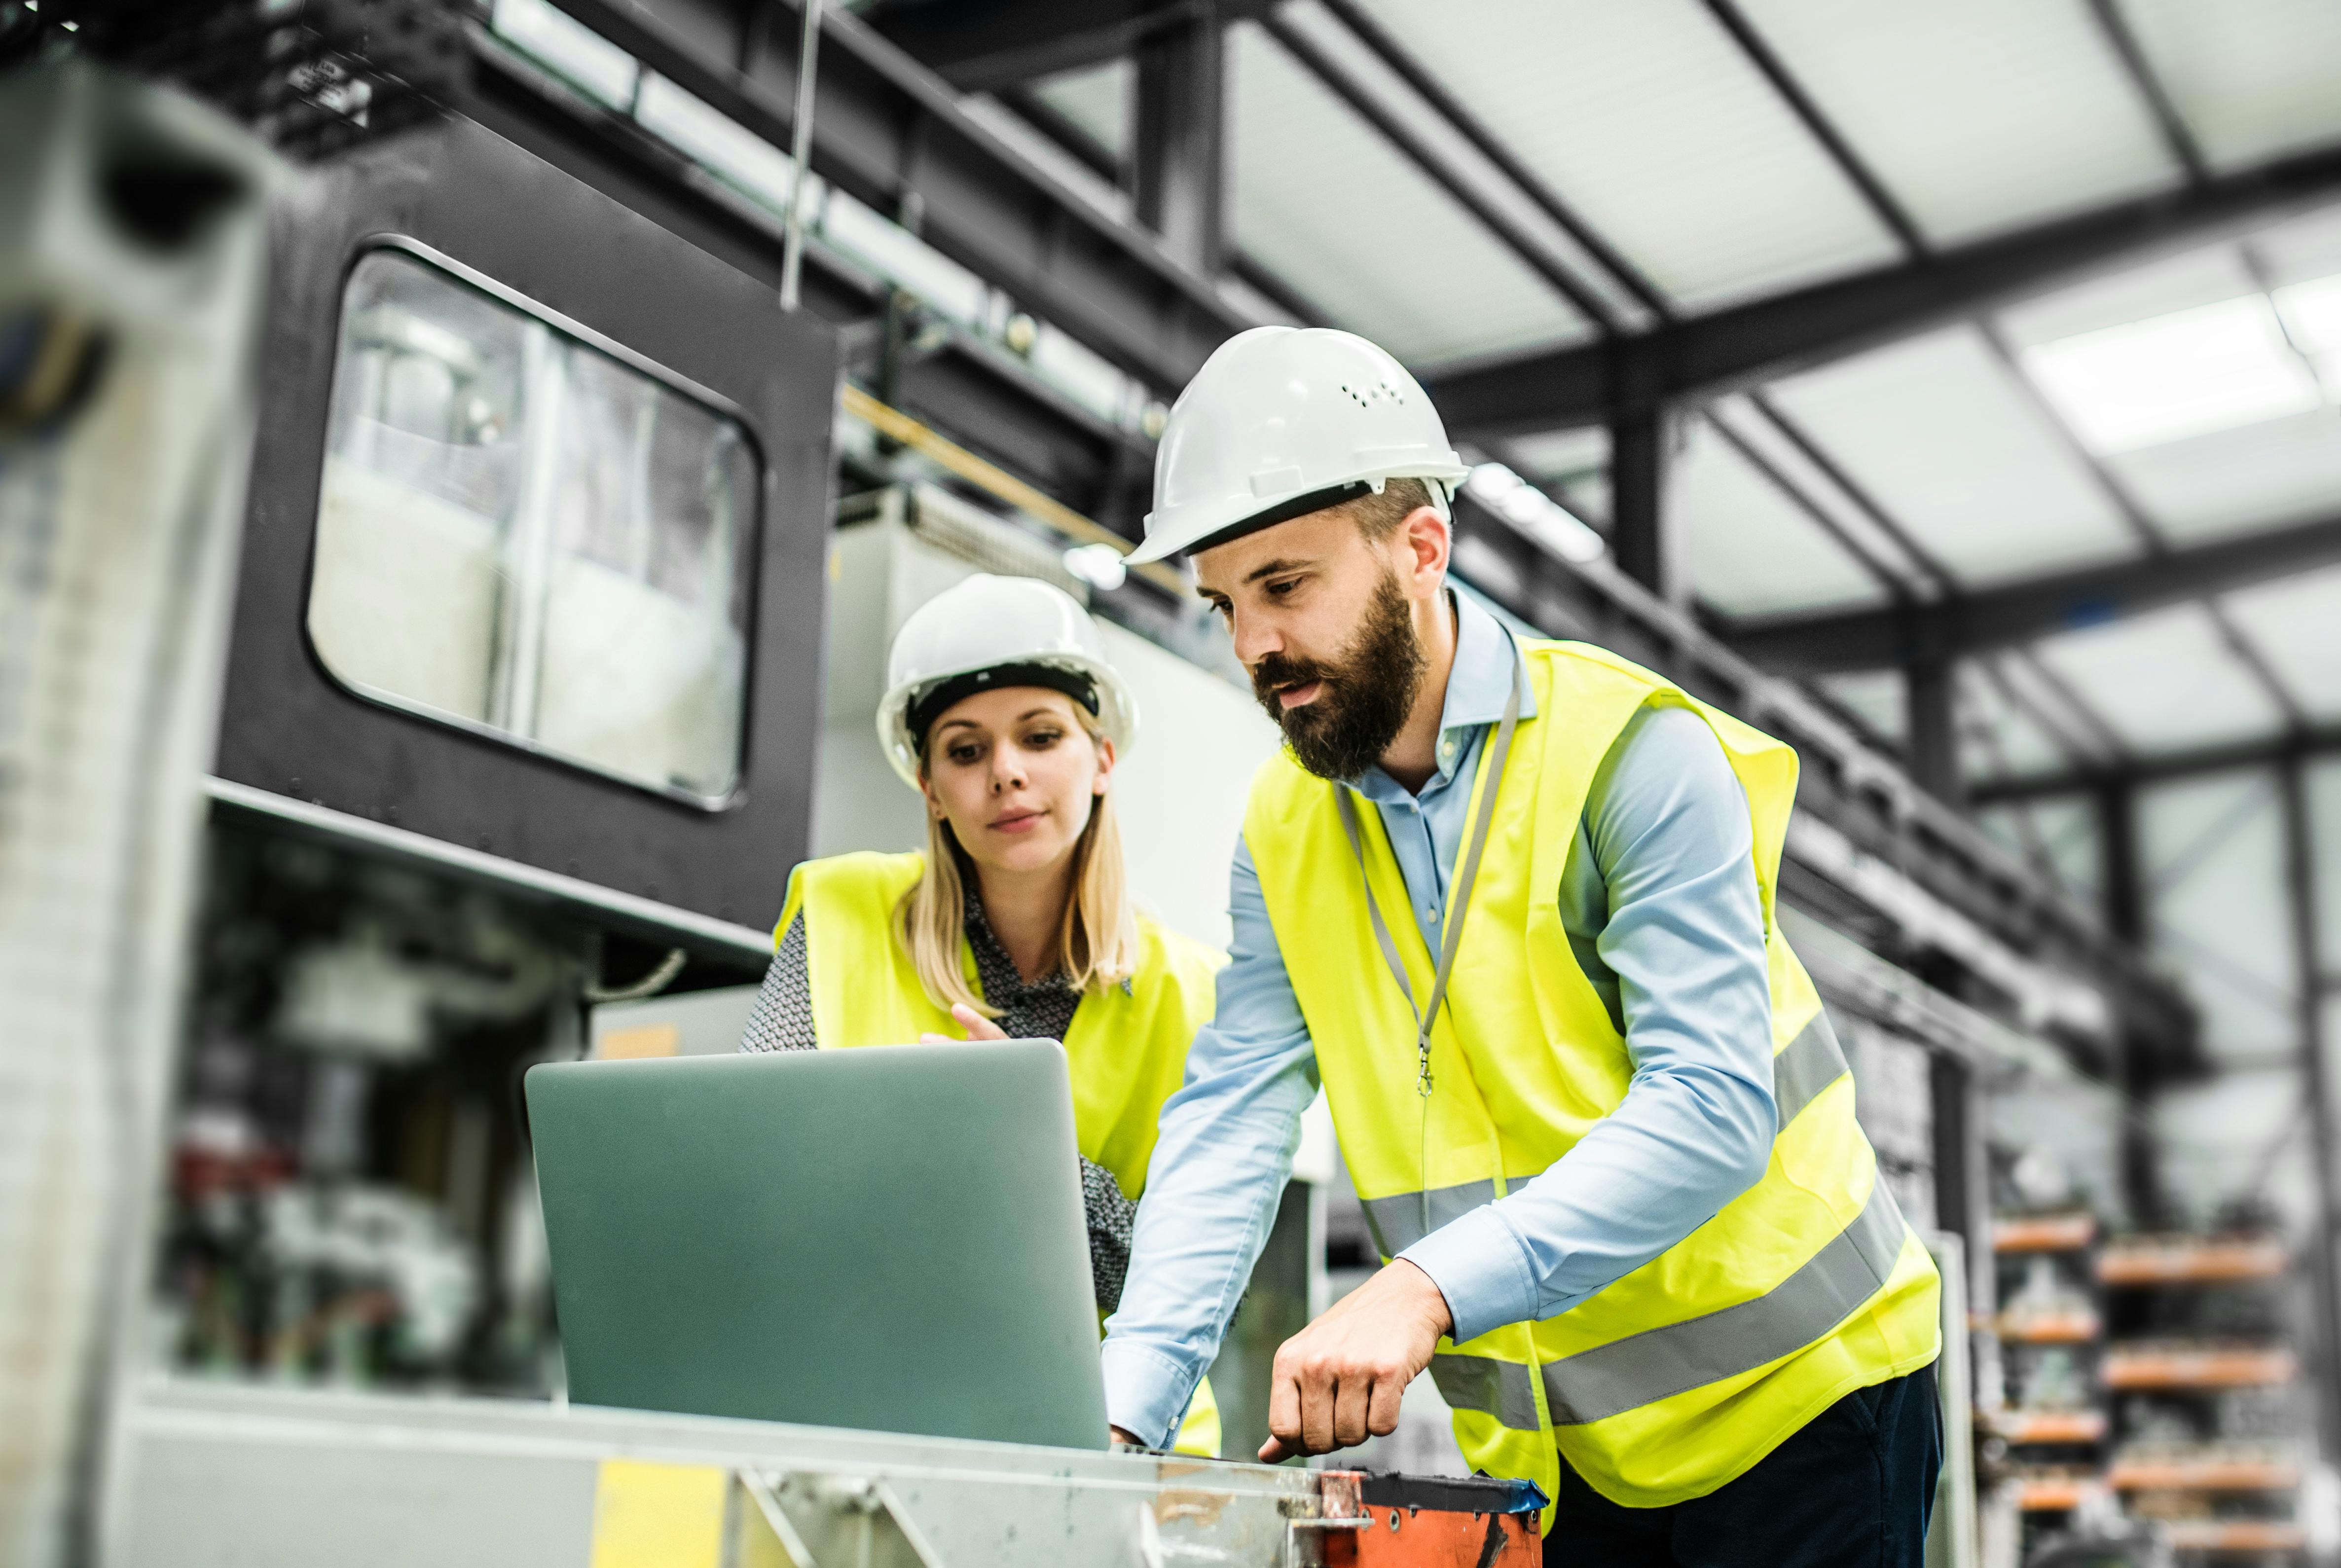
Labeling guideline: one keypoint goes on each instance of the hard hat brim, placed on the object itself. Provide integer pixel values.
(1117, 714)
(1226, 523)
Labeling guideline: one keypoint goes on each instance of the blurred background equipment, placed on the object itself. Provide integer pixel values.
(131, 252)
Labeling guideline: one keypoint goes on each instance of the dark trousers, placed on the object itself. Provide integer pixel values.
(1855, 1487)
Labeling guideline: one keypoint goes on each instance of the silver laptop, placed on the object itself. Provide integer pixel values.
(890, 1239)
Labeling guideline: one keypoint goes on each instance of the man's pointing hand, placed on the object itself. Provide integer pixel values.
(1339, 1380)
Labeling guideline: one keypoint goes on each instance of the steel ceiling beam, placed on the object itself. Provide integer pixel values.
(986, 396)
(1732, 348)
(1401, 63)
(1178, 156)
(2005, 617)
(983, 48)
(2177, 136)
(2133, 514)
(1366, 104)
(892, 135)
(1874, 193)
(2314, 741)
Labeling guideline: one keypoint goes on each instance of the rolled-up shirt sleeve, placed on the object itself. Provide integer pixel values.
(1667, 828)
(1222, 1159)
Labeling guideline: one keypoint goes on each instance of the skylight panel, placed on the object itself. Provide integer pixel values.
(2190, 372)
(1938, 431)
(2295, 624)
(1752, 551)
(2311, 311)
(1304, 172)
(1878, 698)
(1649, 122)
(1096, 99)
(2234, 481)
(2251, 77)
(1977, 115)
(2165, 680)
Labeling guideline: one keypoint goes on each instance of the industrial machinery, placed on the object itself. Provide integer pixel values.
(523, 685)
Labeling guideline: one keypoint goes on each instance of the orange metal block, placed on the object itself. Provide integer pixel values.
(2237, 1535)
(2043, 1233)
(2206, 1474)
(2189, 1261)
(2051, 1328)
(1408, 1538)
(2049, 1425)
(2050, 1495)
(2210, 1367)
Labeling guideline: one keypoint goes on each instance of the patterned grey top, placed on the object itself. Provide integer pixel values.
(1043, 1010)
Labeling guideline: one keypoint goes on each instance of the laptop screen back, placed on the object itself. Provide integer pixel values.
(890, 1239)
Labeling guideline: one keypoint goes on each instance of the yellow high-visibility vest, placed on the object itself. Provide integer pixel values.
(1682, 1374)
(1126, 1047)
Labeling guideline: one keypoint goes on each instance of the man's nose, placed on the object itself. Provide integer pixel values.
(1254, 639)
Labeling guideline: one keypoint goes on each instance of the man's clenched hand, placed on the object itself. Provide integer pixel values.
(1340, 1379)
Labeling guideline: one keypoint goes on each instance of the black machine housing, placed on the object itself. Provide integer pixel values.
(459, 190)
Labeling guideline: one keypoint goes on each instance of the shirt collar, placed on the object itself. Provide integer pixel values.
(1481, 679)
(1478, 684)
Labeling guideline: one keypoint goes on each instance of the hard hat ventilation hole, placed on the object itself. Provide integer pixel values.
(1366, 399)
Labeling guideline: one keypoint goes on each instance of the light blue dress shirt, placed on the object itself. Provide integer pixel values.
(1659, 901)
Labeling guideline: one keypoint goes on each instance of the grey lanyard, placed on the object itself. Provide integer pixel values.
(1459, 899)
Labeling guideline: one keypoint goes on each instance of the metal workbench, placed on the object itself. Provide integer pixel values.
(214, 1475)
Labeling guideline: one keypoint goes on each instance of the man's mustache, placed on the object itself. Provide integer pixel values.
(1277, 672)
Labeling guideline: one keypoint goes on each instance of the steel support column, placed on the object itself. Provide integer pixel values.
(1645, 547)
(1929, 683)
(2325, 1148)
(1962, 1171)
(1179, 160)
(2123, 894)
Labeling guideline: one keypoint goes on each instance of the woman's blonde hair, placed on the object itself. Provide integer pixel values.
(1097, 940)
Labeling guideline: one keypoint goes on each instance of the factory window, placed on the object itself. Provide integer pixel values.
(530, 533)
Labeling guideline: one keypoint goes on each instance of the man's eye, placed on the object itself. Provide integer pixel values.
(1279, 589)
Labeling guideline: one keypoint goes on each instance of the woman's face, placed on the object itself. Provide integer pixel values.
(1015, 776)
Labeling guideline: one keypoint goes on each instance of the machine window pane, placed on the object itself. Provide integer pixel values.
(522, 534)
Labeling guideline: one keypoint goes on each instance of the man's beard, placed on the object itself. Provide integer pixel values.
(1364, 697)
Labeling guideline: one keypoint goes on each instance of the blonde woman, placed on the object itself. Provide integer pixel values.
(1015, 922)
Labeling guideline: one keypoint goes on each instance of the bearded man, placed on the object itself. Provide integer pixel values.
(1511, 901)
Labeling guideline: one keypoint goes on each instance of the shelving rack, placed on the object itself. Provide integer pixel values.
(2208, 1437)
(2050, 1432)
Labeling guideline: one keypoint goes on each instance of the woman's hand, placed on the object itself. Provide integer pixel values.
(977, 1025)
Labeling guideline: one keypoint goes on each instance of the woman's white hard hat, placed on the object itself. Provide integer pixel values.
(986, 632)
(1283, 421)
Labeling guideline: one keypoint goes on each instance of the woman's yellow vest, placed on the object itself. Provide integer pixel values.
(1682, 1374)
(1126, 1047)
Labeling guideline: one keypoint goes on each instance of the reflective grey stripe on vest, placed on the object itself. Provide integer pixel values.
(1811, 1063)
(1397, 1222)
(1660, 1362)
(1481, 1383)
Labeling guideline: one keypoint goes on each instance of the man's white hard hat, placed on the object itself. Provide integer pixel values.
(987, 632)
(1282, 421)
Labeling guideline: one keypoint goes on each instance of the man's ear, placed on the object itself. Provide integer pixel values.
(1427, 541)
